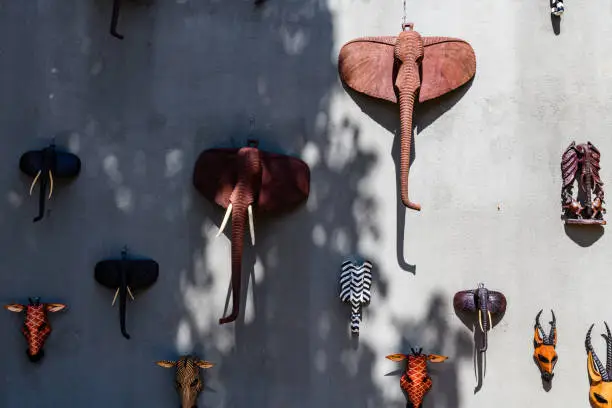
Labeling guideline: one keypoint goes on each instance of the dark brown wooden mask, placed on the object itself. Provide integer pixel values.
(247, 181)
(46, 165)
(124, 276)
(400, 69)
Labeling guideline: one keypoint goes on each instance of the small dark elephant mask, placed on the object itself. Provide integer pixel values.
(36, 327)
(403, 69)
(249, 181)
(545, 353)
(416, 381)
(487, 302)
(189, 383)
(126, 275)
(44, 165)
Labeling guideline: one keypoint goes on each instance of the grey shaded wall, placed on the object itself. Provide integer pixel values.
(197, 74)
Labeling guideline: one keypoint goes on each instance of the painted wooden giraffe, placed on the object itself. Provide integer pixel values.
(189, 383)
(36, 328)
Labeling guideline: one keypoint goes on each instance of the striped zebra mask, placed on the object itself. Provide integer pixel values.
(188, 382)
(416, 381)
(355, 283)
(544, 353)
(36, 327)
(600, 377)
(249, 182)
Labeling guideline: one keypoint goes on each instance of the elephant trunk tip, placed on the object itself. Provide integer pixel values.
(125, 334)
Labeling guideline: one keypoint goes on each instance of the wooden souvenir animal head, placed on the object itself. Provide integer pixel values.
(405, 69)
(416, 381)
(600, 377)
(45, 165)
(249, 181)
(545, 353)
(487, 303)
(36, 327)
(580, 163)
(124, 276)
(355, 284)
(189, 383)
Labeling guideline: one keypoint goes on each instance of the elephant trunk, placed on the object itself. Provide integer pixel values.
(42, 195)
(122, 304)
(239, 214)
(409, 50)
(484, 315)
(115, 19)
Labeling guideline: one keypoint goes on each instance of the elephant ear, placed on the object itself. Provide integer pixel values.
(141, 273)
(215, 175)
(448, 63)
(497, 302)
(67, 164)
(465, 301)
(108, 273)
(367, 66)
(285, 183)
(31, 162)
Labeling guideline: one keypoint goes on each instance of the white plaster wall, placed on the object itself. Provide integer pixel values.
(197, 74)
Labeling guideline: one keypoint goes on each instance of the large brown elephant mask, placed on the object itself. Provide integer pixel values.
(400, 69)
(247, 181)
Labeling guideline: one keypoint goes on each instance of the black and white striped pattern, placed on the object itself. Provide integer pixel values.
(355, 283)
(558, 8)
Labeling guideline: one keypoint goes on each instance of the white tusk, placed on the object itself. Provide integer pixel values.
(224, 223)
(51, 187)
(490, 320)
(115, 298)
(34, 181)
(251, 223)
(130, 293)
(480, 320)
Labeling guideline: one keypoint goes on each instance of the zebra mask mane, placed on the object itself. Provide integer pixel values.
(355, 284)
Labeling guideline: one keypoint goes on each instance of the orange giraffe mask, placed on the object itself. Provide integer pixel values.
(600, 393)
(544, 353)
(415, 381)
(36, 327)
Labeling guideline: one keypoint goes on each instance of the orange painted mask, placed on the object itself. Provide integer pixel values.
(36, 328)
(544, 353)
(416, 381)
(600, 377)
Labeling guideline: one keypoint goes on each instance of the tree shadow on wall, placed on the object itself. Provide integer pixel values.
(435, 336)
(387, 115)
(292, 335)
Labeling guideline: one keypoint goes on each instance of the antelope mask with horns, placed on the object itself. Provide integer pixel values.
(416, 381)
(248, 182)
(600, 377)
(544, 352)
(36, 327)
(189, 383)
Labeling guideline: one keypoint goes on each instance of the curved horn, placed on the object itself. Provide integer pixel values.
(539, 326)
(115, 19)
(589, 348)
(553, 327)
(608, 338)
(409, 50)
(34, 181)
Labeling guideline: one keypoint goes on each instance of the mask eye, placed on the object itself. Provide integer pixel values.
(194, 383)
(177, 384)
(410, 380)
(426, 379)
(543, 359)
(599, 398)
(554, 359)
(42, 327)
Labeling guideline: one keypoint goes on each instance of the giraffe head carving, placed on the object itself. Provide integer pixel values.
(36, 327)
(416, 381)
(189, 383)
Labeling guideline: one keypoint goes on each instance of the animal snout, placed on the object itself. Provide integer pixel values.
(547, 376)
(35, 357)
